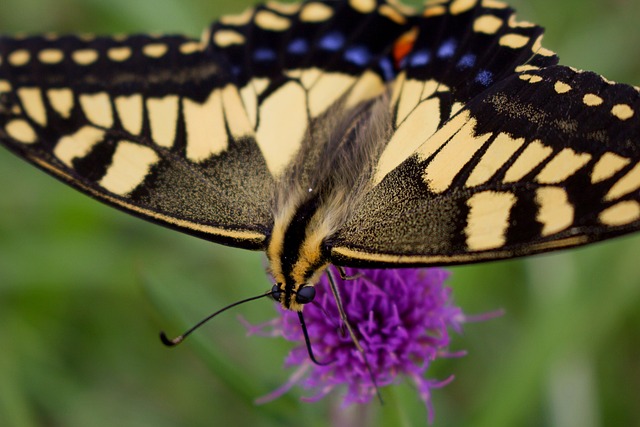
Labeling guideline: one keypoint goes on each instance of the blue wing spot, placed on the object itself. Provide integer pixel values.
(484, 77)
(467, 61)
(420, 58)
(298, 46)
(358, 55)
(264, 54)
(388, 73)
(332, 41)
(447, 49)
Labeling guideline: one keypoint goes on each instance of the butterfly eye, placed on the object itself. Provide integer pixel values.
(276, 292)
(305, 294)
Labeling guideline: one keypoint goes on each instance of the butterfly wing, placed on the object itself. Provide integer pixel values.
(544, 157)
(302, 67)
(194, 135)
(151, 125)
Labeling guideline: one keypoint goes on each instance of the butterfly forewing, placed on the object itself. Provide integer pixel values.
(154, 126)
(545, 159)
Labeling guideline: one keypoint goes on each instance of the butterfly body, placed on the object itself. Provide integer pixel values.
(313, 199)
(355, 133)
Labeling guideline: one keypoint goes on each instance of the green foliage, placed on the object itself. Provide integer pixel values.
(84, 289)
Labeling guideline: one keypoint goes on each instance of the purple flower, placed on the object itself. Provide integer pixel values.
(401, 318)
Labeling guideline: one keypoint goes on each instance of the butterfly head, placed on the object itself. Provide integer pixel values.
(293, 297)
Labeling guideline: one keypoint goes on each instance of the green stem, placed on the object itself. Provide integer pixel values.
(393, 411)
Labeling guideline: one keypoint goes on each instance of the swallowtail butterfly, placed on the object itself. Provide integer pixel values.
(353, 132)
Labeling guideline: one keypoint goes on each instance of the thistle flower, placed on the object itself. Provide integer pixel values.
(401, 319)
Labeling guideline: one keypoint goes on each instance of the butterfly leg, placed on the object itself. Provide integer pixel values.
(345, 321)
(345, 276)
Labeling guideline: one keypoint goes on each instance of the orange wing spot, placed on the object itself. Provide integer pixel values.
(404, 45)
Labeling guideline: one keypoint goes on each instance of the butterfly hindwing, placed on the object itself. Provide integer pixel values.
(301, 66)
(454, 53)
(152, 125)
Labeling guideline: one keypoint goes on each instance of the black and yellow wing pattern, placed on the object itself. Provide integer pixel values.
(153, 126)
(534, 157)
(486, 149)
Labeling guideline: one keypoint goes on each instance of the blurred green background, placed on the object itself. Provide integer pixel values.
(84, 289)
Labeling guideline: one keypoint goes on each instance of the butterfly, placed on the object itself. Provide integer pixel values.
(359, 133)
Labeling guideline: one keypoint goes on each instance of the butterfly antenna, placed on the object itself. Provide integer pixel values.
(352, 334)
(177, 340)
(307, 341)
